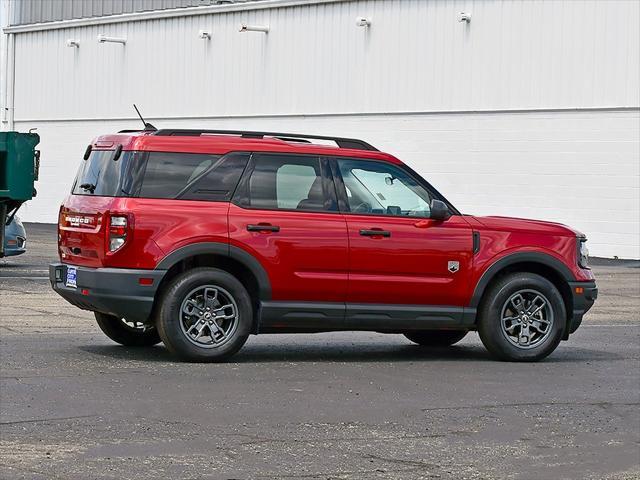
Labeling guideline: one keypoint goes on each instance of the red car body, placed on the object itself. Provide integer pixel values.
(317, 272)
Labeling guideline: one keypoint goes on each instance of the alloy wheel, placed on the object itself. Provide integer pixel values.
(526, 319)
(208, 316)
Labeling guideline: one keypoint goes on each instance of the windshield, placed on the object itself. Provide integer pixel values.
(101, 175)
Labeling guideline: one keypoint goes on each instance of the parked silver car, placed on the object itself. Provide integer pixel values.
(15, 240)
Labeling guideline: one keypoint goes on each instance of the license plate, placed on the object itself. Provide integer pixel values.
(72, 275)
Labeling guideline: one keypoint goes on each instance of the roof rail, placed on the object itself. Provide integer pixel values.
(352, 143)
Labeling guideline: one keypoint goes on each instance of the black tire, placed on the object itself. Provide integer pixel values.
(118, 331)
(173, 325)
(490, 326)
(436, 338)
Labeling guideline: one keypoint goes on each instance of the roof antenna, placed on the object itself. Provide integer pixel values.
(147, 126)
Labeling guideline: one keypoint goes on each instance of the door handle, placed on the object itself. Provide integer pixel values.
(263, 227)
(375, 233)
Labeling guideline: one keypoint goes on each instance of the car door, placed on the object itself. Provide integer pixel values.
(398, 255)
(285, 214)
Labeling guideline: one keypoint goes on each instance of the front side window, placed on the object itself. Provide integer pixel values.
(378, 188)
(287, 182)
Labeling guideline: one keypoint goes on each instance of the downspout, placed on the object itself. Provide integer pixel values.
(10, 81)
(9, 65)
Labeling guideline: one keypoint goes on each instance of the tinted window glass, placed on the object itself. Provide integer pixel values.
(167, 174)
(220, 181)
(102, 176)
(288, 182)
(382, 189)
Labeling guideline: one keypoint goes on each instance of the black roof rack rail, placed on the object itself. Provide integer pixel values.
(352, 143)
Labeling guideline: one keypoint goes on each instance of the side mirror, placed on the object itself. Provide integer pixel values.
(439, 210)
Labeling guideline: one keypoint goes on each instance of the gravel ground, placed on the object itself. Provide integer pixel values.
(73, 405)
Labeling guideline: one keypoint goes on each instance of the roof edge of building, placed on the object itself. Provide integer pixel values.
(159, 14)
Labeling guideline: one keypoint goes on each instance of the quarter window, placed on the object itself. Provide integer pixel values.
(382, 189)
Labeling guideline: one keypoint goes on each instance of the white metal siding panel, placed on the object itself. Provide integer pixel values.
(579, 168)
(415, 57)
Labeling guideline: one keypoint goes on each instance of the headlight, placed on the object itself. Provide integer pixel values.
(583, 253)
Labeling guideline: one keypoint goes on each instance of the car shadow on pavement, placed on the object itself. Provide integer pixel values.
(308, 353)
(361, 353)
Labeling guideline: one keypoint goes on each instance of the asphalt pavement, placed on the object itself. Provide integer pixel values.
(74, 405)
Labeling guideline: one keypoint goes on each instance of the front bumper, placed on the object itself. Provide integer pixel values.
(114, 291)
(584, 294)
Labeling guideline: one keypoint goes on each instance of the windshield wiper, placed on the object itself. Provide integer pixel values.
(88, 186)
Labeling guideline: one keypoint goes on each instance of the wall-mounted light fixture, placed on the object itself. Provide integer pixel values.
(363, 22)
(254, 28)
(205, 35)
(464, 17)
(73, 43)
(104, 39)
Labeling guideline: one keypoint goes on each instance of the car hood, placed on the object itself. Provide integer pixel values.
(527, 225)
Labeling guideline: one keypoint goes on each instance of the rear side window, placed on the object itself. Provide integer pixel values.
(287, 182)
(167, 174)
(219, 182)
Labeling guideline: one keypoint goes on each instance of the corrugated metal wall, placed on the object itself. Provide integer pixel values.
(416, 56)
(38, 11)
(533, 109)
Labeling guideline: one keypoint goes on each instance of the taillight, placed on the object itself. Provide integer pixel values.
(118, 226)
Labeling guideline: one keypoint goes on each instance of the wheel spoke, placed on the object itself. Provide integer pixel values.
(524, 337)
(197, 327)
(210, 297)
(518, 303)
(535, 308)
(221, 312)
(515, 322)
(215, 329)
(190, 307)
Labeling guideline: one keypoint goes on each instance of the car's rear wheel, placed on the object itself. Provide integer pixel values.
(522, 318)
(436, 338)
(125, 332)
(205, 316)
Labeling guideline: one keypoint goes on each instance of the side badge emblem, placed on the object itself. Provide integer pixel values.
(453, 266)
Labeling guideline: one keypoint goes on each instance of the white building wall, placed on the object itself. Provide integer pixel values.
(530, 110)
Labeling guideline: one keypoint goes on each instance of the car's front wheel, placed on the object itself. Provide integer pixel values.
(125, 332)
(436, 338)
(522, 318)
(205, 316)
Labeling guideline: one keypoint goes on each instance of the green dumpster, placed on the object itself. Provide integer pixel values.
(19, 165)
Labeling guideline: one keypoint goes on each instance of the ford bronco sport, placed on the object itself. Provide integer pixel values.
(198, 238)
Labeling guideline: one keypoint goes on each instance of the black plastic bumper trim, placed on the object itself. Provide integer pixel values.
(582, 303)
(114, 291)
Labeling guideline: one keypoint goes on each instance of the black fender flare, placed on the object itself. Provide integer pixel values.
(222, 249)
(518, 257)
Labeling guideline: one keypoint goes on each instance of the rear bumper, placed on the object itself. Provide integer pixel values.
(115, 291)
(584, 295)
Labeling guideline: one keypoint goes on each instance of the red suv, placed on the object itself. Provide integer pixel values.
(198, 238)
